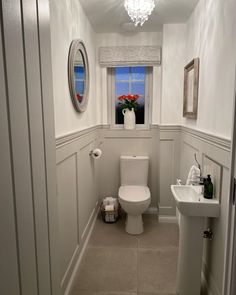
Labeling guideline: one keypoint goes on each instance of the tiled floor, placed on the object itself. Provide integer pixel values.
(116, 263)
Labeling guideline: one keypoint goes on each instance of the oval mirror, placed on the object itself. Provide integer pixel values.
(78, 75)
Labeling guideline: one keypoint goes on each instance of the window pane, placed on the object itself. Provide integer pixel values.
(133, 82)
(79, 72)
(122, 88)
(138, 73)
(122, 73)
(138, 88)
(119, 115)
(140, 112)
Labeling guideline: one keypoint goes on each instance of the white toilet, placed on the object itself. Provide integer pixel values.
(134, 194)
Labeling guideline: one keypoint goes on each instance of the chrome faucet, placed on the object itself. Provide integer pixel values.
(198, 164)
(199, 182)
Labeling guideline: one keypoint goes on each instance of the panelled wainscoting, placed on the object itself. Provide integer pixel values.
(169, 161)
(160, 143)
(116, 142)
(213, 153)
(82, 182)
(77, 195)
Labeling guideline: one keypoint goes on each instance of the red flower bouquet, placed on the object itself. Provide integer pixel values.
(128, 101)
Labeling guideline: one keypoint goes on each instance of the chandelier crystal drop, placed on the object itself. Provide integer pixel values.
(139, 10)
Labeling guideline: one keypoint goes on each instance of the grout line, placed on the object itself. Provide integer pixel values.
(111, 247)
(163, 248)
(138, 266)
(138, 249)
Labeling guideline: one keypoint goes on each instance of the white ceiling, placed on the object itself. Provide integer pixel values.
(110, 15)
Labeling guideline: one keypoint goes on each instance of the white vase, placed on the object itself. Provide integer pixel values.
(129, 118)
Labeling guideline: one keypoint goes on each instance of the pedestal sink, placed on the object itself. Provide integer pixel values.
(194, 209)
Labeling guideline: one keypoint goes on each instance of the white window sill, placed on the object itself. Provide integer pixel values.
(121, 128)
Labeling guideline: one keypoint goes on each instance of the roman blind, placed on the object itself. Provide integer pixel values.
(114, 56)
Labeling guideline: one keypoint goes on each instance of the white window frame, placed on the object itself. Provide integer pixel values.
(112, 99)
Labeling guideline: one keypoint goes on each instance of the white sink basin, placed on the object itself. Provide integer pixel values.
(191, 202)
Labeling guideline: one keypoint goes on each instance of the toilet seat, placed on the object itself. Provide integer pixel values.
(134, 193)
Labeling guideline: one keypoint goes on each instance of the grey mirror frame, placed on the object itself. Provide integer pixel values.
(74, 47)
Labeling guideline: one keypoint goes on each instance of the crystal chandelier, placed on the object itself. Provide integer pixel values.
(139, 10)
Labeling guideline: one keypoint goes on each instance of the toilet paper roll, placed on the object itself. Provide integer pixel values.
(96, 153)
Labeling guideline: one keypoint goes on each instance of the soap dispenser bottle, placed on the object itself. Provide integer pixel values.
(208, 188)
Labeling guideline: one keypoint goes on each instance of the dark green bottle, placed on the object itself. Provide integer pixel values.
(208, 188)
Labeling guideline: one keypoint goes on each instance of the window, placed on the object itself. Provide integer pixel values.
(130, 80)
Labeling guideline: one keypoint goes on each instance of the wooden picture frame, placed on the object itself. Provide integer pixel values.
(191, 82)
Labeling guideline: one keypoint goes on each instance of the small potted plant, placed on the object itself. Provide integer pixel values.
(128, 104)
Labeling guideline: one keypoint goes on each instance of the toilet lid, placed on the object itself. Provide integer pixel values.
(134, 193)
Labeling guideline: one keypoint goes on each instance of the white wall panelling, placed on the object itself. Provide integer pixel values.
(28, 106)
(20, 146)
(77, 196)
(122, 142)
(215, 170)
(169, 166)
(49, 139)
(214, 156)
(8, 246)
(160, 143)
(67, 210)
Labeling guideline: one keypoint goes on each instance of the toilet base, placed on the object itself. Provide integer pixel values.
(134, 224)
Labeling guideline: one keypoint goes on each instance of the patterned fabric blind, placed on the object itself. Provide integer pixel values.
(130, 56)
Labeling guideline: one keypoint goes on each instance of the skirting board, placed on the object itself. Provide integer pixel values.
(161, 218)
(167, 219)
(84, 246)
(151, 210)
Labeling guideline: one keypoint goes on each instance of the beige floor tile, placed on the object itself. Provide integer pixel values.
(155, 293)
(108, 270)
(112, 235)
(115, 293)
(158, 235)
(157, 271)
(82, 292)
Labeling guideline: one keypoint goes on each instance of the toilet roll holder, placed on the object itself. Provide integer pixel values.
(95, 153)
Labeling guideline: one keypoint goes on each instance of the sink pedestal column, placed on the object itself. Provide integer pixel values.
(190, 255)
